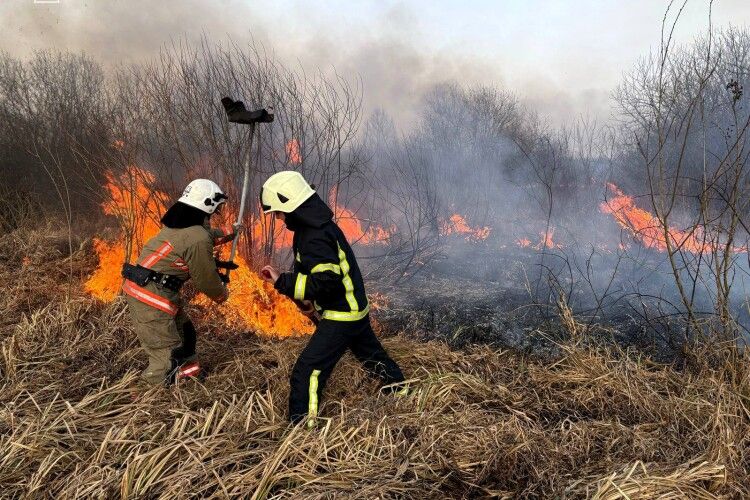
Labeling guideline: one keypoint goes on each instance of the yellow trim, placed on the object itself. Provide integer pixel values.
(346, 316)
(312, 405)
(348, 285)
(326, 267)
(299, 286)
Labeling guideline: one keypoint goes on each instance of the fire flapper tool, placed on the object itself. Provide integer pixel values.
(237, 113)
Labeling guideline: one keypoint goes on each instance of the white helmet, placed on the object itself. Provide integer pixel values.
(204, 195)
(284, 192)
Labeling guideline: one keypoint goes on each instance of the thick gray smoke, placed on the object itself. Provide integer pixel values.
(388, 58)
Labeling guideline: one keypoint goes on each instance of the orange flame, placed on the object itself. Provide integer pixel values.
(523, 242)
(457, 224)
(351, 226)
(137, 207)
(293, 152)
(545, 241)
(253, 304)
(282, 238)
(647, 228)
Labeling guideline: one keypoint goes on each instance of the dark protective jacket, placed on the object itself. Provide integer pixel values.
(325, 270)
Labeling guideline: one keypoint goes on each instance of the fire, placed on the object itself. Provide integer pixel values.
(545, 241)
(133, 200)
(351, 226)
(261, 230)
(457, 224)
(293, 152)
(523, 242)
(254, 303)
(647, 228)
(137, 207)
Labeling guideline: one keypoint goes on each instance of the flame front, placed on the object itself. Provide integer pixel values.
(648, 229)
(351, 226)
(457, 224)
(253, 303)
(137, 208)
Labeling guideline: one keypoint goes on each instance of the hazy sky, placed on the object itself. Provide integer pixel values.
(563, 57)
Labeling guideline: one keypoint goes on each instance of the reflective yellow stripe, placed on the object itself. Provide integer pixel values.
(326, 267)
(312, 405)
(299, 286)
(348, 285)
(404, 391)
(346, 316)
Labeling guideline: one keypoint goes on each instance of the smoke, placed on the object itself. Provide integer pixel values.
(391, 53)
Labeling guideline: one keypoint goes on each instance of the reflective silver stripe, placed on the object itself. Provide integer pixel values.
(299, 286)
(326, 267)
(346, 316)
(149, 298)
(312, 405)
(161, 252)
(298, 258)
(348, 285)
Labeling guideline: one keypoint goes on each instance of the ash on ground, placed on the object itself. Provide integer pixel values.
(498, 304)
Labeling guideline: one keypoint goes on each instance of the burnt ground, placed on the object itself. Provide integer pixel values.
(498, 300)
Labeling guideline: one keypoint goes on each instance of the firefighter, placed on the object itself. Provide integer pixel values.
(326, 274)
(183, 249)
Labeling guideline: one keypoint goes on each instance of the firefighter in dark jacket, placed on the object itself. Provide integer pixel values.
(325, 274)
(182, 250)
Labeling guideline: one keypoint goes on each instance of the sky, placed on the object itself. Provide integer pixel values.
(563, 58)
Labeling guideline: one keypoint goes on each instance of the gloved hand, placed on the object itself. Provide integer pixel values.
(226, 264)
(269, 274)
(307, 308)
(224, 278)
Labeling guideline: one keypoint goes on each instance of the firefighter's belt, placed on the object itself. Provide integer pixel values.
(141, 276)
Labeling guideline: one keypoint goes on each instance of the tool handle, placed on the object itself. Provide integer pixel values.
(243, 199)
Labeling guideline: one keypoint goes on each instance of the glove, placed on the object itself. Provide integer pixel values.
(226, 264)
(307, 309)
(224, 278)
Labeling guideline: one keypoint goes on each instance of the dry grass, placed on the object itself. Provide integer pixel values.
(74, 421)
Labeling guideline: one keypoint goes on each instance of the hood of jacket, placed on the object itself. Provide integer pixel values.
(312, 213)
(181, 216)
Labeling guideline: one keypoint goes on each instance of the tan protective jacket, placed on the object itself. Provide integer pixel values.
(184, 253)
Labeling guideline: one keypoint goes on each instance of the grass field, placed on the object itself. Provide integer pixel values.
(592, 422)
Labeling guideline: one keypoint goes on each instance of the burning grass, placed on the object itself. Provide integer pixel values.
(479, 422)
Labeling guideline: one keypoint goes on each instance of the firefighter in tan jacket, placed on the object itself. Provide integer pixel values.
(182, 250)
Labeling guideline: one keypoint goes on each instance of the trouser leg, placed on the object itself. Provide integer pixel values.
(369, 351)
(312, 369)
(158, 335)
(186, 350)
